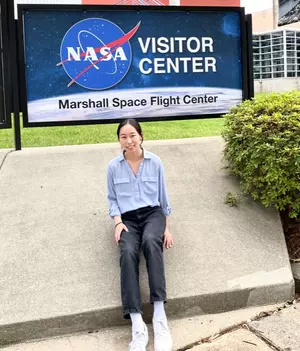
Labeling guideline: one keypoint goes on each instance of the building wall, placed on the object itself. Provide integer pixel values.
(120, 2)
(276, 85)
(263, 21)
(210, 2)
(181, 2)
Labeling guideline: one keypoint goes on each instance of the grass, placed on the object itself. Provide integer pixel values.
(106, 133)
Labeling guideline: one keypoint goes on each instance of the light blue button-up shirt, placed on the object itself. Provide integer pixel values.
(127, 191)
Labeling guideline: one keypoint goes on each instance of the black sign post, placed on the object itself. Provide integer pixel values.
(6, 99)
(250, 56)
(14, 66)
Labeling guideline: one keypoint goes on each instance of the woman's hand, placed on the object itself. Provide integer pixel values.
(168, 239)
(118, 230)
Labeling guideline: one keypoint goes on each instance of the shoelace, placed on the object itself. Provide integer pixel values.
(161, 330)
(138, 342)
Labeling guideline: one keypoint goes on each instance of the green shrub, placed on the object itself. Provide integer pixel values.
(262, 147)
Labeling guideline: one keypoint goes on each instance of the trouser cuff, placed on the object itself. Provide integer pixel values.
(158, 299)
(127, 312)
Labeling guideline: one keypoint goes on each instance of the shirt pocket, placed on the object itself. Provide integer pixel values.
(150, 185)
(123, 186)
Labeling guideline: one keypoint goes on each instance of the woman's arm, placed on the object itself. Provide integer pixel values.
(163, 193)
(114, 210)
(165, 205)
(168, 238)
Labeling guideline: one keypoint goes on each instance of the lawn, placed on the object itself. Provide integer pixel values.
(106, 133)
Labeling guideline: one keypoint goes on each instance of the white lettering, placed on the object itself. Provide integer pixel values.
(144, 47)
(198, 65)
(172, 65)
(184, 64)
(72, 54)
(90, 54)
(159, 64)
(207, 42)
(120, 54)
(176, 44)
(189, 44)
(210, 62)
(105, 52)
(141, 65)
(163, 45)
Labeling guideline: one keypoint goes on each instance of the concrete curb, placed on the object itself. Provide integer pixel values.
(187, 333)
(296, 274)
(109, 317)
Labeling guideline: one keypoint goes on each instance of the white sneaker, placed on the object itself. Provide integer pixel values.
(139, 340)
(162, 335)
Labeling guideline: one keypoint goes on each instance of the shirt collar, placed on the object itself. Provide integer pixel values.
(146, 155)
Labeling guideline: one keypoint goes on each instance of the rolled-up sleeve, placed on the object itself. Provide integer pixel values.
(163, 193)
(111, 195)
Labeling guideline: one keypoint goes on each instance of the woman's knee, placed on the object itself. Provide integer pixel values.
(128, 250)
(151, 242)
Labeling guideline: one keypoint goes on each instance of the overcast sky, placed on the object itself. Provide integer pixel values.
(256, 5)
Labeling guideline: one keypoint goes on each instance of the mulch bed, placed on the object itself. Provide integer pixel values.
(291, 228)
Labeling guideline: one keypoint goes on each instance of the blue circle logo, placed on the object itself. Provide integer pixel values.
(96, 53)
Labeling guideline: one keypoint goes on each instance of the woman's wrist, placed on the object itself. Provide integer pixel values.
(117, 219)
(118, 224)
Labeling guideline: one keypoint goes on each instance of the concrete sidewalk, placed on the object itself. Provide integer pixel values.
(59, 270)
(255, 329)
(279, 330)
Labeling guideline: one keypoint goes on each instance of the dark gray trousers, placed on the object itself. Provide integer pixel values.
(146, 229)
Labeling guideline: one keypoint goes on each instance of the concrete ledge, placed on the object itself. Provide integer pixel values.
(105, 318)
(3, 154)
(185, 331)
(59, 267)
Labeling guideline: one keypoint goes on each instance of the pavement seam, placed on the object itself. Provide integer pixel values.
(243, 325)
(2, 163)
(265, 339)
(214, 337)
(70, 344)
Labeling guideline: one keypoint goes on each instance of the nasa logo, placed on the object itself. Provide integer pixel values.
(96, 53)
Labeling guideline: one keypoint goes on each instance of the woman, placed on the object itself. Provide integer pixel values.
(139, 205)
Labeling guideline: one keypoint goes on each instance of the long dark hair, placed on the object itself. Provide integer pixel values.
(134, 123)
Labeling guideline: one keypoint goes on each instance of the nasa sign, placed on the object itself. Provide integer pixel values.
(108, 63)
(96, 53)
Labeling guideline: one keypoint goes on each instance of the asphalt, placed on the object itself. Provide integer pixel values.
(59, 270)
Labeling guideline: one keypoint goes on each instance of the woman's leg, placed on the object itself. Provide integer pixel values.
(130, 289)
(129, 264)
(152, 246)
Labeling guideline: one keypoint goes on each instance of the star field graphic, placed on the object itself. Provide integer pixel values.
(44, 32)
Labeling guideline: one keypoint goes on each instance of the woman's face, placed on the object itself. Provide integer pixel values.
(129, 138)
